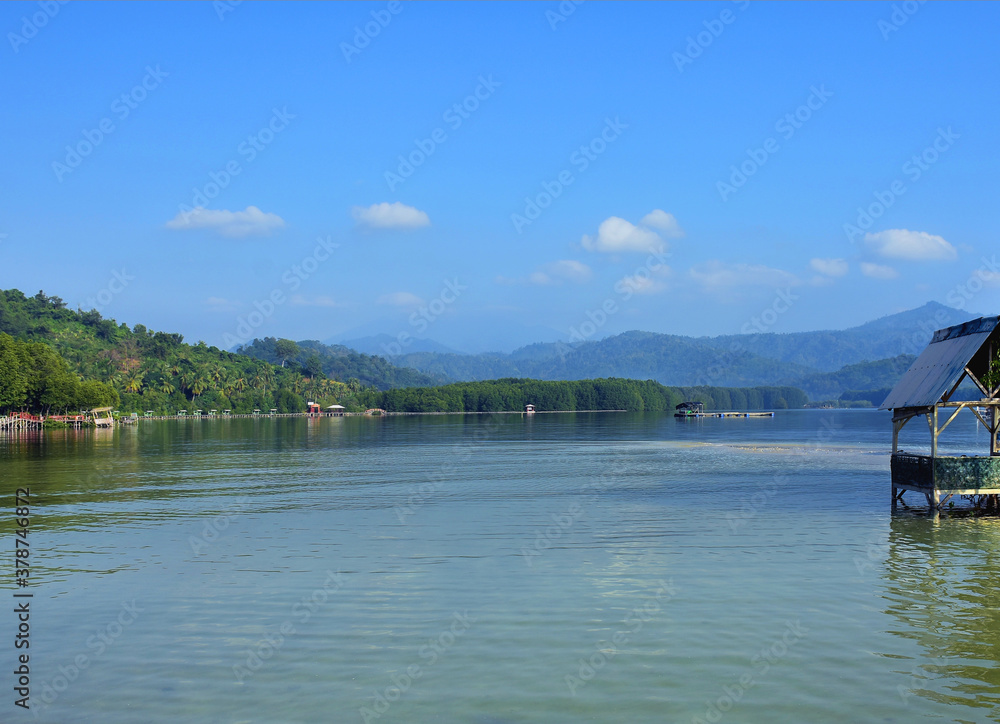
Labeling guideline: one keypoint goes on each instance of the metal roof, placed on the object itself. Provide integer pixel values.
(940, 365)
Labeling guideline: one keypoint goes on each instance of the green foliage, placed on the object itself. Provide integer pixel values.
(512, 394)
(54, 359)
(338, 363)
(34, 377)
(992, 377)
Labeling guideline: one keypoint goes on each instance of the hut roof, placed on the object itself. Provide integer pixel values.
(942, 363)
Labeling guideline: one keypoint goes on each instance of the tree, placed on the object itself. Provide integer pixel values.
(285, 349)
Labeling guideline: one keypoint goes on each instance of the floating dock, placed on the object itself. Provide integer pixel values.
(688, 415)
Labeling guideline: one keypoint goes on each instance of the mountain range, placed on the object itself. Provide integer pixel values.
(823, 363)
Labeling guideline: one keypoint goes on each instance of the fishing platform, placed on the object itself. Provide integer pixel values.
(691, 410)
(969, 351)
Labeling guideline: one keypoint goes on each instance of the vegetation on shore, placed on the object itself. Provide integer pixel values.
(511, 394)
(53, 360)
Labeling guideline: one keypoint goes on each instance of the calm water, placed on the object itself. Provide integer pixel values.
(600, 568)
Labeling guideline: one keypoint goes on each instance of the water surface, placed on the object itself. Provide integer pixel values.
(478, 569)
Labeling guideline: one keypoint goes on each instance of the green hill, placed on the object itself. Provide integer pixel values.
(339, 362)
(54, 359)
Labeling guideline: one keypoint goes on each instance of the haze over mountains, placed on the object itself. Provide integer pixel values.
(823, 363)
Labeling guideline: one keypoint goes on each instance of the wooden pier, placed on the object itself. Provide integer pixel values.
(20, 422)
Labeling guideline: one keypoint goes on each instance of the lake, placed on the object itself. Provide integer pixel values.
(499, 569)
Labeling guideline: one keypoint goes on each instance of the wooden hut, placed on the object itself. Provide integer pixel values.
(102, 417)
(529, 409)
(692, 408)
(312, 409)
(969, 351)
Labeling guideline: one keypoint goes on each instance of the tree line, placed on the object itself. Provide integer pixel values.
(512, 394)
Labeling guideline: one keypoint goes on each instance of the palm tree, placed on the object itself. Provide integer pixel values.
(134, 382)
(199, 385)
(166, 386)
(267, 377)
(240, 385)
(354, 385)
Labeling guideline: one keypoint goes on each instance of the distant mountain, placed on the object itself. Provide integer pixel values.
(385, 345)
(824, 363)
(903, 333)
(668, 359)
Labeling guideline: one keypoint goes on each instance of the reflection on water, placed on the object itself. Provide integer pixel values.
(749, 559)
(942, 577)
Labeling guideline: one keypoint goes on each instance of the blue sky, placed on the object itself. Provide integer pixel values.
(491, 175)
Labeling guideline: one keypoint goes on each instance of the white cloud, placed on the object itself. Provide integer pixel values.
(829, 267)
(300, 300)
(220, 304)
(989, 278)
(914, 245)
(877, 271)
(390, 216)
(250, 221)
(555, 273)
(400, 299)
(568, 269)
(639, 284)
(666, 223)
(717, 275)
(617, 235)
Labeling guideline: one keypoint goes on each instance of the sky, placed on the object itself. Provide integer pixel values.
(489, 175)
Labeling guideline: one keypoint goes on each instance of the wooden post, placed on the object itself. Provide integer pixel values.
(933, 420)
(994, 426)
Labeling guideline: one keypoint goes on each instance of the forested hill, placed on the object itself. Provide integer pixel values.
(824, 363)
(339, 362)
(50, 349)
(602, 394)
